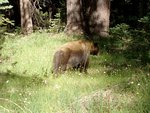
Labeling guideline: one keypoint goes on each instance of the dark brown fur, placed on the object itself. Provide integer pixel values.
(73, 55)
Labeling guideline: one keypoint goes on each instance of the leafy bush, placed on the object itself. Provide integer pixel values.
(55, 24)
(134, 43)
(120, 36)
(42, 20)
(145, 21)
(5, 22)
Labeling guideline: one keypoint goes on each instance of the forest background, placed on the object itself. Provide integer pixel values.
(119, 77)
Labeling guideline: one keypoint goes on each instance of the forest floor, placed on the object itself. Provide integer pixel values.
(113, 84)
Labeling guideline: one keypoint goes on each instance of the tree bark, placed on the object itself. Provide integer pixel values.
(74, 17)
(98, 13)
(26, 17)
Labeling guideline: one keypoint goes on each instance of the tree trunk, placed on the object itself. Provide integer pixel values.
(98, 13)
(74, 17)
(26, 17)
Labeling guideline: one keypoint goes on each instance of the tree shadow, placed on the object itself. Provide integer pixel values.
(21, 83)
(133, 45)
(136, 55)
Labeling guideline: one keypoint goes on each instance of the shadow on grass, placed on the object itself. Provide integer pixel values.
(10, 81)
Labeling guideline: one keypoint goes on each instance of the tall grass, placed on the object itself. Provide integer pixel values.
(112, 85)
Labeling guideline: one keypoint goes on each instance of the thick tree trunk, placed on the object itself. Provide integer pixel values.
(74, 17)
(26, 18)
(98, 13)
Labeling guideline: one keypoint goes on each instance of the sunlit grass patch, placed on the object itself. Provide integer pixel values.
(30, 55)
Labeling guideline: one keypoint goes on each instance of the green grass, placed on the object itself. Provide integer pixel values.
(112, 85)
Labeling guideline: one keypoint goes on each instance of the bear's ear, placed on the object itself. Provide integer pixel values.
(94, 49)
(95, 44)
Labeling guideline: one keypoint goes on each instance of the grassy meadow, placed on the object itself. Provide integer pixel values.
(113, 84)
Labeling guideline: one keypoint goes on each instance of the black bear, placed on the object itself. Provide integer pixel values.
(74, 55)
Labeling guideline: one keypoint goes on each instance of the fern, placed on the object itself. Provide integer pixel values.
(4, 5)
